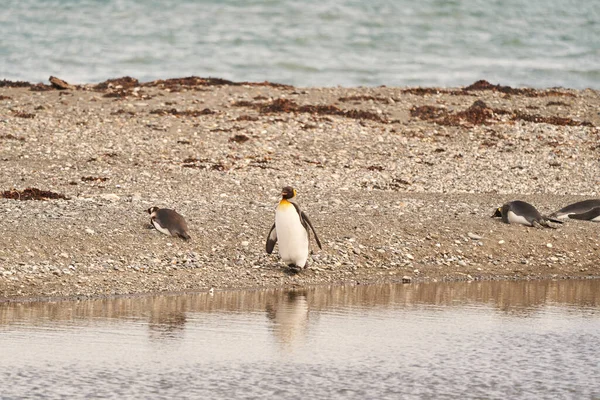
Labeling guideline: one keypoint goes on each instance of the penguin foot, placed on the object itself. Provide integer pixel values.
(293, 269)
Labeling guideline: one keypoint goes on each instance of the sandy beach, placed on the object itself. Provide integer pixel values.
(400, 183)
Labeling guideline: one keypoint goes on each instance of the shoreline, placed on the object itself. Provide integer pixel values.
(399, 182)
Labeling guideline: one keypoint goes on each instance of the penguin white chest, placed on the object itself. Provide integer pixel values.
(517, 219)
(157, 225)
(292, 238)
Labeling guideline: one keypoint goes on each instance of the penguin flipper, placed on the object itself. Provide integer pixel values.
(304, 217)
(590, 215)
(271, 239)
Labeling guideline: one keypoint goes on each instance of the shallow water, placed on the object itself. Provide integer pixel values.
(539, 43)
(492, 340)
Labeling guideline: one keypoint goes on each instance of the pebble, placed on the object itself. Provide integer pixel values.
(349, 181)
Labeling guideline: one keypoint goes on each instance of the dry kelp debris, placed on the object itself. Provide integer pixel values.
(4, 97)
(246, 118)
(125, 82)
(55, 84)
(203, 163)
(418, 91)
(364, 98)
(553, 120)
(14, 84)
(187, 113)
(32, 194)
(121, 88)
(241, 138)
(40, 87)
(529, 92)
(288, 106)
(467, 91)
(195, 82)
(428, 113)
(12, 137)
(477, 114)
(480, 114)
(234, 161)
(22, 114)
(94, 179)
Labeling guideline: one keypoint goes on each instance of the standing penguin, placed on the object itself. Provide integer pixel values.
(291, 230)
(169, 222)
(520, 212)
(588, 210)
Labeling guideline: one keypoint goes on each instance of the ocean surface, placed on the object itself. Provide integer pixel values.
(478, 340)
(536, 43)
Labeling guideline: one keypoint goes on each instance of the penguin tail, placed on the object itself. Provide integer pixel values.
(185, 236)
(551, 218)
(545, 222)
(556, 221)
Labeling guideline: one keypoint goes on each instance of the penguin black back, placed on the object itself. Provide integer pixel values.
(521, 212)
(169, 222)
(583, 210)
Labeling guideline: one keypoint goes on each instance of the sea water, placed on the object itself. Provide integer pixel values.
(537, 43)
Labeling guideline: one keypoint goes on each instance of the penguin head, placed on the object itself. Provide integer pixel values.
(152, 209)
(288, 192)
(497, 213)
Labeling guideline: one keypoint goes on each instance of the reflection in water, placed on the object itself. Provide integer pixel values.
(289, 313)
(290, 308)
(167, 317)
(462, 340)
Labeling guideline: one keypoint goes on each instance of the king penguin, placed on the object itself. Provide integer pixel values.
(588, 210)
(520, 212)
(169, 222)
(291, 230)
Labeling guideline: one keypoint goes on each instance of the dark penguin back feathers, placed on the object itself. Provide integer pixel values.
(584, 210)
(164, 219)
(521, 212)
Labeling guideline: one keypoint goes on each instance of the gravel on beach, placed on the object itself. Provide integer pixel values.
(400, 183)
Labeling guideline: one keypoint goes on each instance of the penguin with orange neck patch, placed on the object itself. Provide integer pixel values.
(291, 231)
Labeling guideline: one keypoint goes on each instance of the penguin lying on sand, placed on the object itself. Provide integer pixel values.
(291, 230)
(520, 212)
(169, 222)
(588, 210)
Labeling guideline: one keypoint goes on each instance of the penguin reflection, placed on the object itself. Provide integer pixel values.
(289, 313)
(167, 318)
